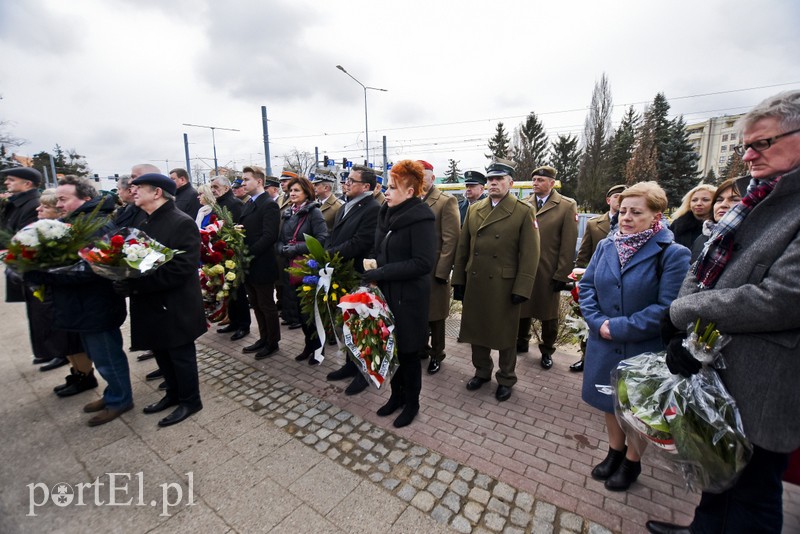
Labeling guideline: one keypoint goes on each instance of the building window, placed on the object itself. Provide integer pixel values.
(724, 137)
(724, 148)
(733, 137)
(730, 147)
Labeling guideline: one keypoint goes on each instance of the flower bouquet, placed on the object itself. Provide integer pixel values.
(127, 253)
(693, 421)
(325, 281)
(224, 257)
(49, 244)
(369, 334)
(577, 324)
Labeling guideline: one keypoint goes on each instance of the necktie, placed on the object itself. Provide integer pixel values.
(539, 203)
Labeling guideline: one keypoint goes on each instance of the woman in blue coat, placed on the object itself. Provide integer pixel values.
(628, 286)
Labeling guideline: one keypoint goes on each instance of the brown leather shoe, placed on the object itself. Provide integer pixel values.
(107, 415)
(95, 405)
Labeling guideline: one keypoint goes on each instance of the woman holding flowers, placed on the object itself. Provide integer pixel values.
(628, 285)
(207, 204)
(405, 249)
(301, 217)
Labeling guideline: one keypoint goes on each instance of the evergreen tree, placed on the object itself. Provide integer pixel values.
(678, 173)
(499, 145)
(641, 166)
(662, 133)
(593, 180)
(711, 178)
(565, 157)
(734, 167)
(622, 146)
(69, 162)
(453, 172)
(530, 146)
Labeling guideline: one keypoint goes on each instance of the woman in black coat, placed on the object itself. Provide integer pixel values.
(405, 248)
(688, 219)
(302, 216)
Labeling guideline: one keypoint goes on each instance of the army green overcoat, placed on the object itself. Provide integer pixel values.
(329, 209)
(448, 229)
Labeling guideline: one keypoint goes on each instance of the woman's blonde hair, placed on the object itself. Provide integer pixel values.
(48, 198)
(686, 202)
(208, 194)
(654, 196)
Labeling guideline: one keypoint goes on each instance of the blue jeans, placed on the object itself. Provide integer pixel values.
(753, 505)
(105, 350)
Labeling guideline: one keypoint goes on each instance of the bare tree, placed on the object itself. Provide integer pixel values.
(302, 163)
(593, 178)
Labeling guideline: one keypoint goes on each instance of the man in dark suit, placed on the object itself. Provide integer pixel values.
(185, 195)
(17, 211)
(353, 237)
(261, 220)
(167, 306)
(238, 305)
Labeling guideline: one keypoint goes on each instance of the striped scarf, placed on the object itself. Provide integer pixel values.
(629, 244)
(718, 249)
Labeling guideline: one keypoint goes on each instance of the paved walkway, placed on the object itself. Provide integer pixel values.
(279, 449)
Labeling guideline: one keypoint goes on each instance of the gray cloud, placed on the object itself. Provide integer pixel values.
(31, 27)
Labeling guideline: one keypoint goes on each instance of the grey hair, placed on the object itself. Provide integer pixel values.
(785, 107)
(145, 168)
(221, 180)
(124, 181)
(48, 198)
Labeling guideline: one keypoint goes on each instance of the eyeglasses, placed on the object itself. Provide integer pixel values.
(351, 181)
(760, 145)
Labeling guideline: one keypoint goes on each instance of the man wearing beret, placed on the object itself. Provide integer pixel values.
(558, 227)
(329, 205)
(597, 228)
(495, 266)
(18, 211)
(167, 306)
(448, 229)
(474, 184)
(185, 195)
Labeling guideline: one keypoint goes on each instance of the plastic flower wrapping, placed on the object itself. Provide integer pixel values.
(692, 422)
(577, 324)
(48, 244)
(369, 334)
(127, 253)
(326, 279)
(224, 257)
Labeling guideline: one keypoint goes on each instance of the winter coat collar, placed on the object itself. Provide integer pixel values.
(409, 212)
(21, 198)
(503, 209)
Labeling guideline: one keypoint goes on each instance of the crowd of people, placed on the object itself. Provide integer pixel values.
(728, 257)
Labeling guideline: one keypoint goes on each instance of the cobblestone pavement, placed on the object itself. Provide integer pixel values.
(279, 449)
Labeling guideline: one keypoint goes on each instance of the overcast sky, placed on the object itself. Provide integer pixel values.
(115, 79)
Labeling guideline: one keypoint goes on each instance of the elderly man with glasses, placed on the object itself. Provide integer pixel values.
(745, 282)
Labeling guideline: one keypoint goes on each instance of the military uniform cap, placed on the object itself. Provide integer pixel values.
(500, 167)
(544, 170)
(272, 181)
(619, 188)
(474, 178)
(288, 175)
(236, 184)
(323, 175)
(25, 173)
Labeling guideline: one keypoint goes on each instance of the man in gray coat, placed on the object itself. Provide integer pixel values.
(746, 283)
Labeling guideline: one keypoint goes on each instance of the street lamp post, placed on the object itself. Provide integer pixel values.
(213, 140)
(366, 115)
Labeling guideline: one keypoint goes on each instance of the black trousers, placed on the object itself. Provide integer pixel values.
(262, 296)
(436, 349)
(46, 341)
(549, 334)
(239, 309)
(179, 365)
(407, 380)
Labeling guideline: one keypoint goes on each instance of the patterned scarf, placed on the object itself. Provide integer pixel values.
(629, 244)
(718, 249)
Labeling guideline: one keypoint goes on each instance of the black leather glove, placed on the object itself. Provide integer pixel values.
(442, 281)
(559, 286)
(289, 251)
(458, 292)
(680, 361)
(369, 276)
(122, 287)
(517, 299)
(669, 330)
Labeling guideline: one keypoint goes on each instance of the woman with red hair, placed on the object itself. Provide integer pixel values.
(405, 249)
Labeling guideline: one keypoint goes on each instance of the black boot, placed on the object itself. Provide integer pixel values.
(82, 382)
(412, 384)
(396, 400)
(69, 380)
(626, 475)
(609, 466)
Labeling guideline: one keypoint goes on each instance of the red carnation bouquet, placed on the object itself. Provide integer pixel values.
(127, 253)
(224, 256)
(369, 333)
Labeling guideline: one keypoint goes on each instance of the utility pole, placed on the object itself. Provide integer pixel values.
(266, 139)
(186, 152)
(213, 140)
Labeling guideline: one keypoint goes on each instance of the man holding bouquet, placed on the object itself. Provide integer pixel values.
(167, 306)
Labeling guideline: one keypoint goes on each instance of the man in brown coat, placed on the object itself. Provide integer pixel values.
(496, 261)
(329, 205)
(448, 228)
(558, 227)
(597, 229)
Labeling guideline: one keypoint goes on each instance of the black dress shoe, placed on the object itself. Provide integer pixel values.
(239, 334)
(303, 356)
(285, 323)
(358, 385)
(154, 375)
(347, 371)
(577, 367)
(312, 360)
(476, 382)
(626, 475)
(255, 347)
(522, 347)
(149, 355)
(40, 361)
(547, 361)
(227, 329)
(503, 393)
(332, 341)
(295, 326)
(434, 366)
(55, 363)
(77, 382)
(266, 352)
(180, 413)
(661, 527)
(160, 406)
